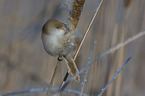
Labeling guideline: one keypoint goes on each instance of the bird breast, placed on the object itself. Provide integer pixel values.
(54, 44)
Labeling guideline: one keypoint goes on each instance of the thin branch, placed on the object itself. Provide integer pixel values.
(87, 68)
(41, 90)
(90, 24)
(120, 45)
(114, 76)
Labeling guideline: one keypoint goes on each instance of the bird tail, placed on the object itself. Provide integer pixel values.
(72, 66)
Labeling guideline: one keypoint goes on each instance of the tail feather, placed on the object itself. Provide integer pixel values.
(72, 66)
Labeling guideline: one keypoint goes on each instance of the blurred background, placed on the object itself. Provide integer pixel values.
(24, 64)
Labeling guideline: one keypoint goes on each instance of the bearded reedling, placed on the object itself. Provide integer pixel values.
(57, 38)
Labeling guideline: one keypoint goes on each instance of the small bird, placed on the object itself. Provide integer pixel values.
(57, 39)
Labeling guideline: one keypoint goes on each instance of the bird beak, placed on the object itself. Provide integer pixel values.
(62, 28)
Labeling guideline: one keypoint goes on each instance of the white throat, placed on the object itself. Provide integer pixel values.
(58, 33)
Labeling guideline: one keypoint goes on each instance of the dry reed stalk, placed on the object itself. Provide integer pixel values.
(52, 79)
(89, 26)
(74, 16)
(74, 21)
